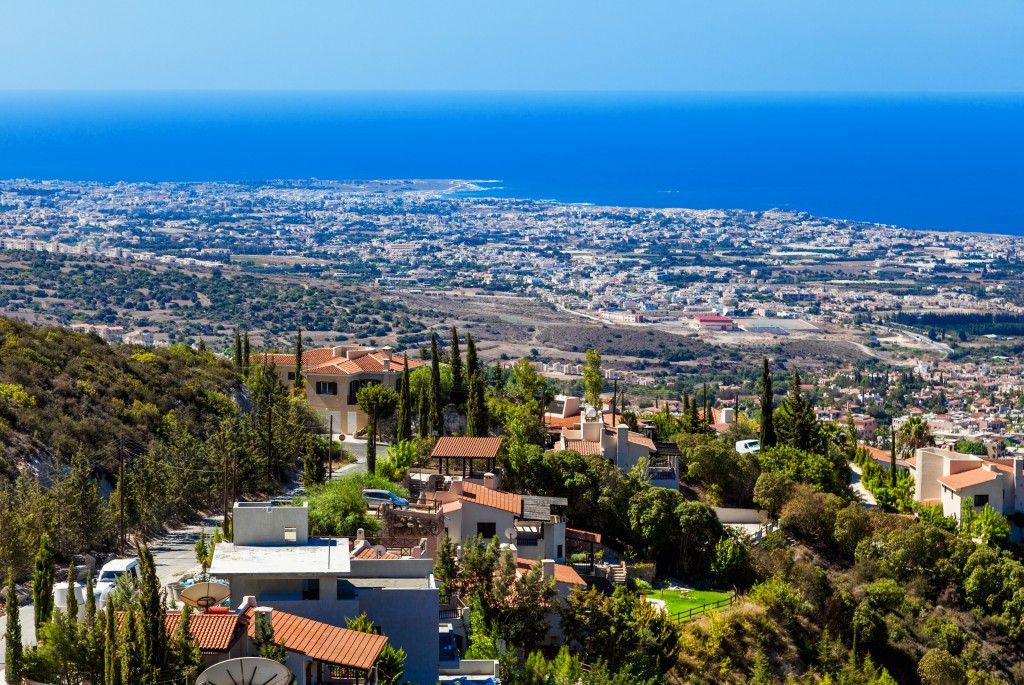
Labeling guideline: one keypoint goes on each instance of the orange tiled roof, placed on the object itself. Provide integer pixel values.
(368, 363)
(640, 439)
(370, 553)
(468, 448)
(212, 632)
(323, 642)
(563, 573)
(966, 479)
(584, 535)
(584, 447)
(497, 499)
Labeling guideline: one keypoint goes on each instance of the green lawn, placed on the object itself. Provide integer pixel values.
(676, 602)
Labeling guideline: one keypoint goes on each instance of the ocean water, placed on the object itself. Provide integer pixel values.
(937, 162)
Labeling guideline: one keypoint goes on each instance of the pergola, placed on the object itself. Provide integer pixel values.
(465, 454)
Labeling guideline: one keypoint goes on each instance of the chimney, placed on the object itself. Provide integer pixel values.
(489, 481)
(622, 445)
(267, 613)
(728, 415)
(360, 535)
(247, 601)
(548, 568)
(386, 352)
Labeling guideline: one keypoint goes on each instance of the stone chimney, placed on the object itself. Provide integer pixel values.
(548, 568)
(386, 353)
(489, 481)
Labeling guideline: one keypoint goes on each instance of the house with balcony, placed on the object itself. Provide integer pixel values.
(274, 566)
(335, 374)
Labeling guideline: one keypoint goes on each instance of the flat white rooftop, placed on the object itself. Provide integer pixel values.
(319, 557)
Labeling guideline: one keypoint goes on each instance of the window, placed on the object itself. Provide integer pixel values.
(354, 386)
(326, 388)
(311, 589)
(980, 500)
(346, 590)
(558, 552)
(291, 375)
(289, 535)
(488, 530)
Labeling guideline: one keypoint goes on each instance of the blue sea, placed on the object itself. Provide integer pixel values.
(923, 161)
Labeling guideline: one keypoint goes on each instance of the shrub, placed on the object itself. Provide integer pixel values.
(778, 597)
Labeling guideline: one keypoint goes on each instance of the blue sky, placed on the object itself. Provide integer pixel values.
(661, 45)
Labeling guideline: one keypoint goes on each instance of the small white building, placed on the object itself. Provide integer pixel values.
(946, 477)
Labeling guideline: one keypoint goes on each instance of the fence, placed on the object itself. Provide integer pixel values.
(689, 614)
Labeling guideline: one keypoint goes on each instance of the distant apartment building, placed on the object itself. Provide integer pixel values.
(335, 374)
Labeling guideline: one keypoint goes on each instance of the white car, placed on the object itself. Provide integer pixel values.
(748, 446)
(111, 571)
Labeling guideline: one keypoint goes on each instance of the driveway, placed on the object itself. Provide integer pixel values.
(858, 488)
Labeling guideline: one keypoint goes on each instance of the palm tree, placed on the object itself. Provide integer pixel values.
(914, 434)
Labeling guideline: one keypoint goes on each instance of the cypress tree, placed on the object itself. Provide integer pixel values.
(133, 664)
(403, 430)
(72, 612)
(767, 437)
(686, 404)
(14, 653)
(472, 362)
(153, 629)
(238, 349)
(707, 406)
(246, 355)
(111, 659)
(423, 416)
(42, 584)
(694, 418)
(188, 660)
(300, 381)
(892, 456)
(455, 361)
(476, 413)
(436, 400)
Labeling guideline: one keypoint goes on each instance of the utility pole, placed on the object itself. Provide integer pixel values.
(615, 398)
(330, 448)
(120, 486)
(234, 493)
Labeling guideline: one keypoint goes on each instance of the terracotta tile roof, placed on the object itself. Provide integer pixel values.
(563, 573)
(584, 535)
(912, 462)
(212, 632)
(584, 447)
(966, 479)
(367, 363)
(323, 642)
(640, 439)
(469, 448)
(562, 422)
(370, 553)
(496, 499)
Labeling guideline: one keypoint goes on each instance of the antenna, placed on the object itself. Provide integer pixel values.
(381, 550)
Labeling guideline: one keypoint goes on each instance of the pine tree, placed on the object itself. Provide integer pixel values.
(202, 345)
(238, 349)
(423, 415)
(300, 380)
(42, 583)
(459, 384)
(111, 658)
(246, 354)
(14, 652)
(265, 645)
(436, 400)
(498, 378)
(767, 437)
(797, 425)
(403, 430)
(472, 362)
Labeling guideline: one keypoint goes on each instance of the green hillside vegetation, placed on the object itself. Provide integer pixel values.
(71, 406)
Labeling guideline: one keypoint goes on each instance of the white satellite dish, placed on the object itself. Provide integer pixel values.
(511, 534)
(205, 595)
(381, 550)
(249, 670)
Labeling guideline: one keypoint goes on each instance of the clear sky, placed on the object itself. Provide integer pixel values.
(670, 45)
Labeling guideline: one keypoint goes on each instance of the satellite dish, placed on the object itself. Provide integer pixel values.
(591, 413)
(205, 595)
(381, 550)
(511, 533)
(249, 670)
